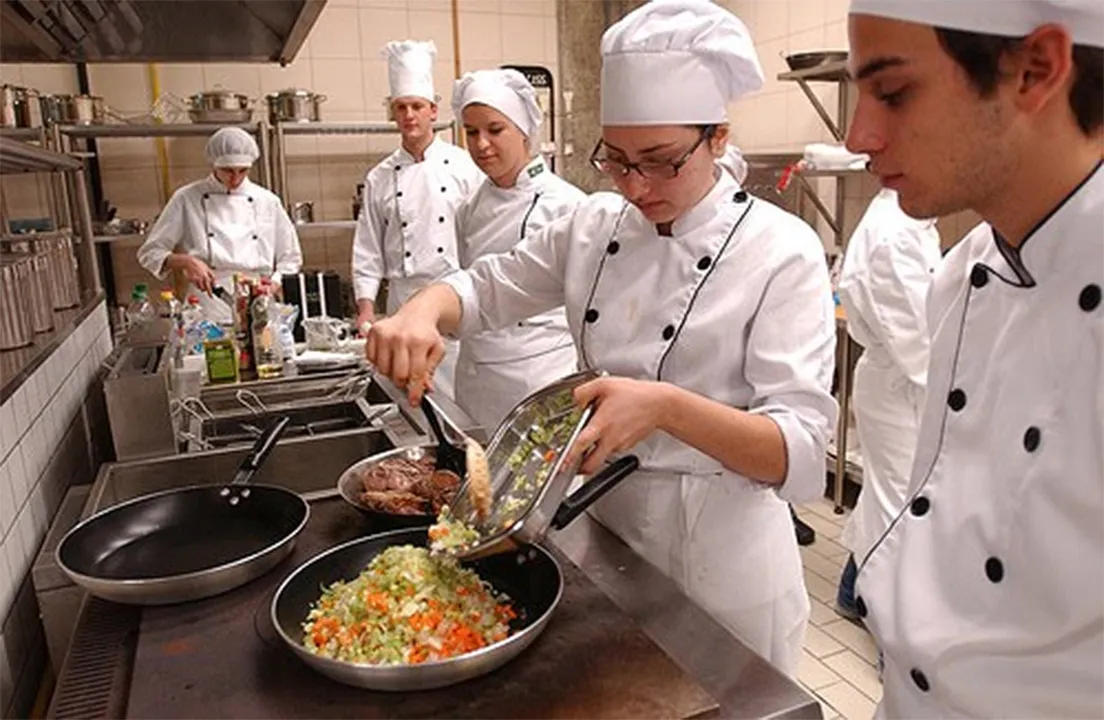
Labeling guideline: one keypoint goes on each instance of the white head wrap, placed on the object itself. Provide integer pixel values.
(504, 90)
(232, 147)
(410, 68)
(1083, 19)
(676, 62)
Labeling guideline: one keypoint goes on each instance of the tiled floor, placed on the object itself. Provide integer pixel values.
(838, 665)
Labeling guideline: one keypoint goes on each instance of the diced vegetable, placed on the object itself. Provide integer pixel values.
(406, 607)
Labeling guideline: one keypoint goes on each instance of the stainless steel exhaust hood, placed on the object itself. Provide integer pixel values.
(64, 31)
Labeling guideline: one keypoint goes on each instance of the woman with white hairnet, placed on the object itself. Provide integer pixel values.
(710, 309)
(519, 197)
(222, 224)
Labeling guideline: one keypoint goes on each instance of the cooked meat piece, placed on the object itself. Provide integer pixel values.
(396, 473)
(439, 487)
(394, 502)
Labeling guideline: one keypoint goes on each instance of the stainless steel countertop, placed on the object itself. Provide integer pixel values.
(19, 364)
(744, 684)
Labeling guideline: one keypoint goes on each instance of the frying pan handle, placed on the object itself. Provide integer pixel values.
(260, 450)
(598, 485)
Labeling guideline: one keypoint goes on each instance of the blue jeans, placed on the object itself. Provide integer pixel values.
(845, 594)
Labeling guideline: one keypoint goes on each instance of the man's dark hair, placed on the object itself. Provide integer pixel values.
(979, 55)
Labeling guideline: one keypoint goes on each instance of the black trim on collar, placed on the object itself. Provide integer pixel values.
(1014, 255)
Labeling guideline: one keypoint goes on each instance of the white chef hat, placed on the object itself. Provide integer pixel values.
(504, 90)
(1083, 19)
(410, 68)
(232, 147)
(676, 62)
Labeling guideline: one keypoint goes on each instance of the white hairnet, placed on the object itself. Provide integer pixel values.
(1083, 19)
(676, 62)
(232, 147)
(504, 90)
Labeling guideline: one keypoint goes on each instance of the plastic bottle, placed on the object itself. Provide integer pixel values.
(192, 316)
(267, 355)
(139, 311)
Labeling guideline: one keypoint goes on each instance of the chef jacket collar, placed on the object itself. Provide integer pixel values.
(532, 175)
(435, 150)
(212, 185)
(722, 192)
(1033, 259)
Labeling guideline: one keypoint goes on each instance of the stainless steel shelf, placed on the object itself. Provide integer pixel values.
(100, 239)
(153, 130)
(327, 225)
(828, 72)
(346, 128)
(22, 133)
(19, 157)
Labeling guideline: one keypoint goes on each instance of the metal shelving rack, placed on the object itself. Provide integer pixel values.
(168, 130)
(833, 72)
(282, 130)
(18, 157)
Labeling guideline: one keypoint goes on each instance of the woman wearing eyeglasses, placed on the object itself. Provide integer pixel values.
(711, 311)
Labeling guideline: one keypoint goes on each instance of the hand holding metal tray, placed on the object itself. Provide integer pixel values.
(529, 477)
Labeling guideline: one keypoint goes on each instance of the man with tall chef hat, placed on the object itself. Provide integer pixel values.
(710, 310)
(406, 232)
(519, 197)
(221, 225)
(888, 268)
(987, 591)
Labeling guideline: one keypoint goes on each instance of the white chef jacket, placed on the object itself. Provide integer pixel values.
(406, 231)
(736, 305)
(242, 230)
(498, 368)
(889, 266)
(987, 592)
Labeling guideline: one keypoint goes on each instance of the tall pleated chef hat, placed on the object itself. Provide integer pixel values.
(504, 90)
(410, 68)
(1083, 19)
(232, 147)
(676, 62)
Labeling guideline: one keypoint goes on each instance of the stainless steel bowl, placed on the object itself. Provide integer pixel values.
(807, 60)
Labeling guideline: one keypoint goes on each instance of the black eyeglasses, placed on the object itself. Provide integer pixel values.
(618, 169)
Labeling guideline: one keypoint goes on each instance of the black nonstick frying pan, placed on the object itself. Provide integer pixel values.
(189, 543)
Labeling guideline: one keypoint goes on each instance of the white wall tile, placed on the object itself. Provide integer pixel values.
(31, 540)
(378, 26)
(7, 585)
(435, 25)
(772, 19)
(19, 473)
(336, 34)
(806, 15)
(480, 38)
(7, 430)
(7, 500)
(39, 512)
(16, 552)
(523, 39)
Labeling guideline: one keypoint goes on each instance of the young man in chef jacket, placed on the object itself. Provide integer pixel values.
(987, 591)
(888, 268)
(406, 231)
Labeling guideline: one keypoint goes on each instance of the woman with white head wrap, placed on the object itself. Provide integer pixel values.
(519, 197)
(222, 224)
(710, 309)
